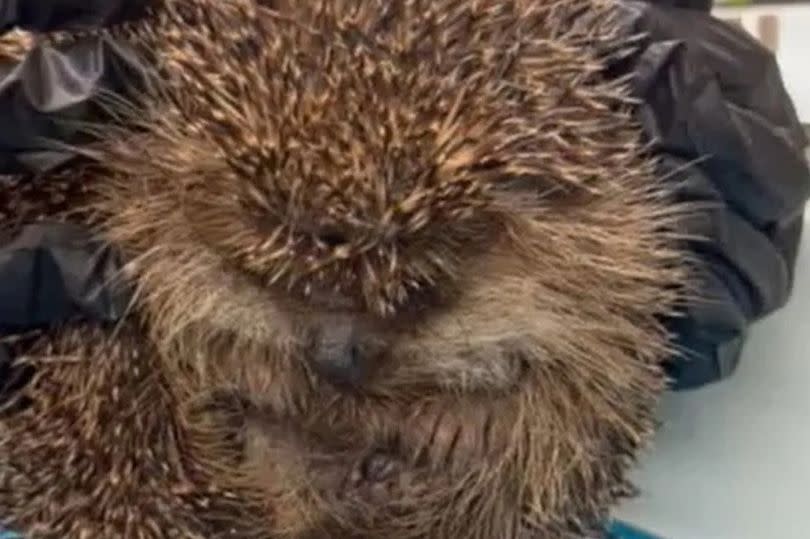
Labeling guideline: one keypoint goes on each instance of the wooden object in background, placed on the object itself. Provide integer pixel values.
(768, 31)
(757, 21)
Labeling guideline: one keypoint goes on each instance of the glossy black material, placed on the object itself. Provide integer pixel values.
(44, 98)
(712, 93)
(50, 15)
(51, 272)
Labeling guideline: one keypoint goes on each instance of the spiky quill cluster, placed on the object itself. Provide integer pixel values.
(351, 158)
(456, 176)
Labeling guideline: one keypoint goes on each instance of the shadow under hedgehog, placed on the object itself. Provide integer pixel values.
(400, 271)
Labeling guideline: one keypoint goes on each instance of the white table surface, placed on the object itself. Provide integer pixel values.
(732, 461)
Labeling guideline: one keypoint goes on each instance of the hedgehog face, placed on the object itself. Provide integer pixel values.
(378, 183)
(433, 204)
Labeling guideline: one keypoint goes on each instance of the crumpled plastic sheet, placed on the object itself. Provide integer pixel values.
(62, 273)
(49, 15)
(47, 96)
(728, 135)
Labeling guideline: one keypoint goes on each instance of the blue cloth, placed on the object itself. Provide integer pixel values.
(620, 530)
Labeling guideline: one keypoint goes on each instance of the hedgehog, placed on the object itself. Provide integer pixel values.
(398, 269)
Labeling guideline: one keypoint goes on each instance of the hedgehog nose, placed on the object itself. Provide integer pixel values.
(339, 356)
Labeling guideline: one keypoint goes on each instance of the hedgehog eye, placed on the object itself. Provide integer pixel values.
(331, 237)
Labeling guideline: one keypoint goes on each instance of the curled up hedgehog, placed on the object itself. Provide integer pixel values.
(399, 270)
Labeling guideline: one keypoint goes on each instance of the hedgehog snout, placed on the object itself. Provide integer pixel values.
(344, 353)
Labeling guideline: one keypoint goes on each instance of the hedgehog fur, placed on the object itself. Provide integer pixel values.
(456, 180)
